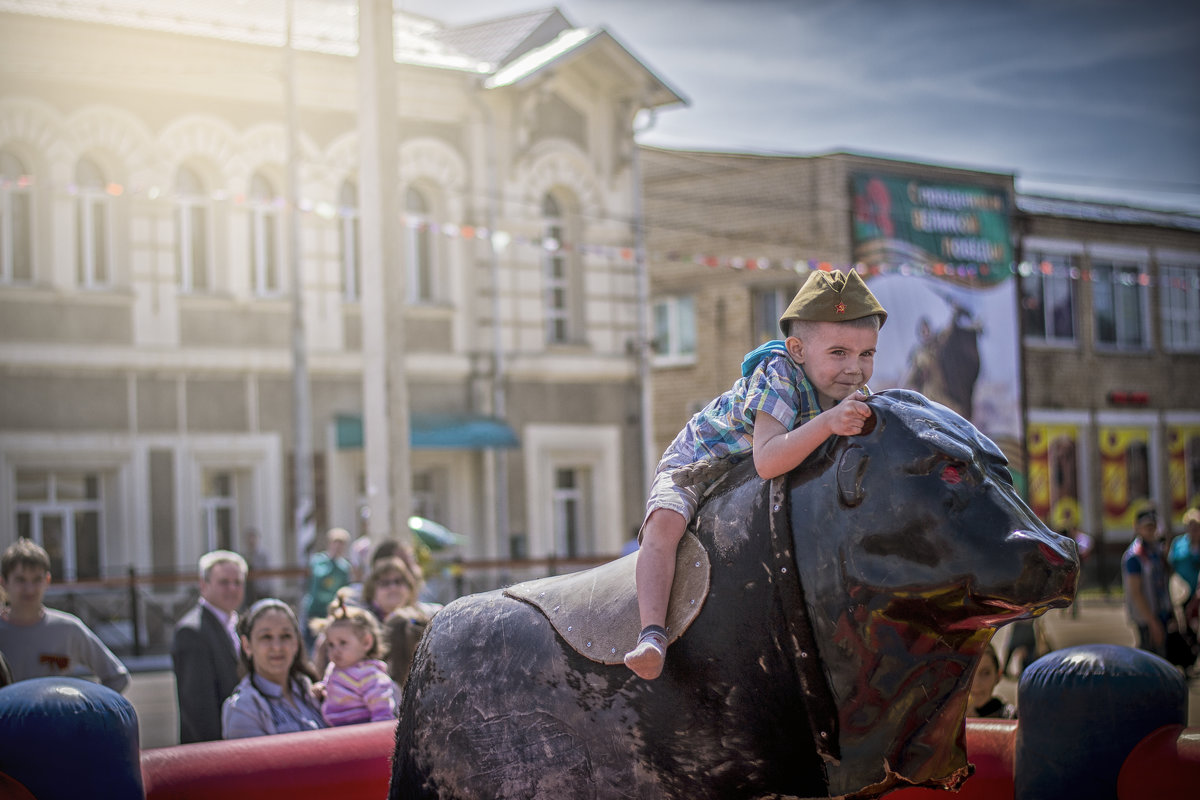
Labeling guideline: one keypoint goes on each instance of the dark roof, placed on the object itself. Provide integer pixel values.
(498, 41)
(1093, 211)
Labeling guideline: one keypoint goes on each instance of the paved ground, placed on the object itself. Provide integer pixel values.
(1099, 621)
(153, 697)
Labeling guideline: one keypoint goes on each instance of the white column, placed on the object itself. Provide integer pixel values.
(385, 386)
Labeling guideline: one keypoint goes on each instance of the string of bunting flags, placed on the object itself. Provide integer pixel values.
(502, 239)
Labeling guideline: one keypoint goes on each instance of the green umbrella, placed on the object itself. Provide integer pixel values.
(433, 535)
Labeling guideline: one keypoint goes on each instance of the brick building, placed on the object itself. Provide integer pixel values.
(1104, 309)
(1111, 353)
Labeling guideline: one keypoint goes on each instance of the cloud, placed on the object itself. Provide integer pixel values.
(1099, 88)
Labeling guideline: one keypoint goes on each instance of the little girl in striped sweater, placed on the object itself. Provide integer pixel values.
(357, 686)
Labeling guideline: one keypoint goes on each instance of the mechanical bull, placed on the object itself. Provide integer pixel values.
(848, 605)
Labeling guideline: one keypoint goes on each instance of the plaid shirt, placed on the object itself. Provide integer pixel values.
(771, 383)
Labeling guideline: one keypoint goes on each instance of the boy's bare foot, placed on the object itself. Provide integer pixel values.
(646, 659)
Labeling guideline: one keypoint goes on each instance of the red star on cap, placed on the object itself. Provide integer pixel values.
(840, 308)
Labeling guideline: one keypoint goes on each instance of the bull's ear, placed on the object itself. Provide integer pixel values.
(850, 470)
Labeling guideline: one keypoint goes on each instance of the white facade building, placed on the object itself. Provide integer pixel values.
(145, 390)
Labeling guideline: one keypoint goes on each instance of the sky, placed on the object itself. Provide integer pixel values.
(1078, 98)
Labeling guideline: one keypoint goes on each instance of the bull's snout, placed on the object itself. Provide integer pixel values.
(1057, 550)
(1050, 570)
(1053, 555)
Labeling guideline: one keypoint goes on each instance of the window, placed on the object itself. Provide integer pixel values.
(675, 330)
(572, 480)
(1179, 297)
(16, 220)
(348, 243)
(768, 307)
(93, 230)
(61, 512)
(191, 232)
(264, 236)
(1048, 298)
(429, 490)
(572, 512)
(1119, 299)
(420, 251)
(218, 510)
(558, 291)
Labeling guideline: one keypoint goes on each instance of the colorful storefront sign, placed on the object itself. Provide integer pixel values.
(1183, 468)
(1053, 467)
(1124, 474)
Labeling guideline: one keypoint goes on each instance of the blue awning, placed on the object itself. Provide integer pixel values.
(436, 431)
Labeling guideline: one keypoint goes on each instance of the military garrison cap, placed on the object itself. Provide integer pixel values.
(834, 296)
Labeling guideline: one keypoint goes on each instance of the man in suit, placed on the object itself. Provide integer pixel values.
(205, 648)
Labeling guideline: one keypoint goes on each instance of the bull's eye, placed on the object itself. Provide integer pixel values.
(951, 474)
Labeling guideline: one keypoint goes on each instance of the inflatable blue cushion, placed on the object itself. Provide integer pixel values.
(1083, 709)
(67, 738)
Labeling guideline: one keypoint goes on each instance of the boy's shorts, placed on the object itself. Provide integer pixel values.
(665, 493)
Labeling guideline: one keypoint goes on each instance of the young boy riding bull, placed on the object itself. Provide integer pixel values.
(793, 395)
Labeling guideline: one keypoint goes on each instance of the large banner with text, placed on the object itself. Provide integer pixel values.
(950, 294)
(960, 232)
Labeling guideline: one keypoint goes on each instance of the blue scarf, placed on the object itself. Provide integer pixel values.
(760, 354)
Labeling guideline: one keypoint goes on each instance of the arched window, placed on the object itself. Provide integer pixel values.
(556, 268)
(16, 220)
(93, 231)
(420, 247)
(348, 242)
(264, 236)
(192, 232)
